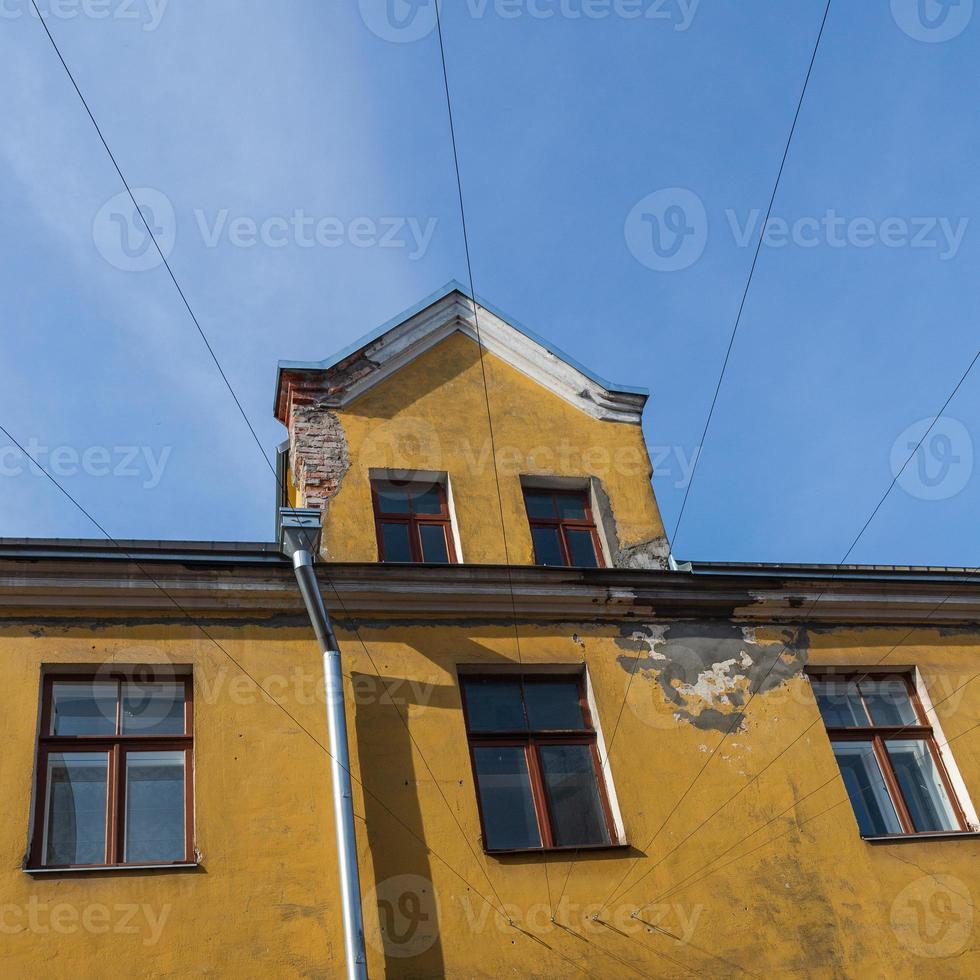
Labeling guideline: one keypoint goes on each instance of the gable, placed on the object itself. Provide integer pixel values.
(373, 359)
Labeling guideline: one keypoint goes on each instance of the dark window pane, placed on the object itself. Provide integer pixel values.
(547, 550)
(83, 708)
(392, 499)
(394, 540)
(74, 826)
(840, 704)
(553, 705)
(505, 797)
(865, 784)
(581, 548)
(922, 786)
(154, 806)
(573, 795)
(494, 705)
(889, 702)
(571, 507)
(434, 543)
(540, 504)
(153, 708)
(426, 499)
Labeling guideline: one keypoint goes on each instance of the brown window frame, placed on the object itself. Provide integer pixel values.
(564, 524)
(116, 746)
(414, 522)
(529, 741)
(877, 735)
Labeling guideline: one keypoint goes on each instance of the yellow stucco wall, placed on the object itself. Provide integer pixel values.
(432, 415)
(798, 892)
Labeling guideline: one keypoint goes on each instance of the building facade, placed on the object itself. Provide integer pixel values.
(572, 755)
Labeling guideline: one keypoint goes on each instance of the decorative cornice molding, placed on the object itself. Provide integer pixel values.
(95, 588)
(358, 370)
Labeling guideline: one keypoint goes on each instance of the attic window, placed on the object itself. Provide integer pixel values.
(413, 521)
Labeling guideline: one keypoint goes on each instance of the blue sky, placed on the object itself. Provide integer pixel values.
(859, 322)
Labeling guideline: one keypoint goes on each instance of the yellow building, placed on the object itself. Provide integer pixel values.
(571, 754)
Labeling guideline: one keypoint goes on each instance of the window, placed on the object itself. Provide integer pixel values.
(114, 772)
(412, 521)
(562, 528)
(888, 755)
(535, 762)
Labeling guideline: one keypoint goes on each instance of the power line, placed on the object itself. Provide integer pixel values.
(740, 714)
(248, 422)
(755, 260)
(476, 320)
(156, 244)
(686, 882)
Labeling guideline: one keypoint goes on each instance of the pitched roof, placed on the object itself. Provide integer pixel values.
(377, 355)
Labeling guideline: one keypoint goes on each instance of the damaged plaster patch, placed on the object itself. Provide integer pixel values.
(710, 671)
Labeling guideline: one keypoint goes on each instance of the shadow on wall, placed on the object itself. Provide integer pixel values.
(401, 919)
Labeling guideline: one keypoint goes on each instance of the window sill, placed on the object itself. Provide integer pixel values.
(102, 868)
(526, 851)
(928, 836)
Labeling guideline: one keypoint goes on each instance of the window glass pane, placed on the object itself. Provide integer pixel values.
(840, 704)
(553, 704)
(922, 787)
(889, 702)
(394, 542)
(581, 548)
(154, 806)
(83, 708)
(539, 504)
(505, 797)
(426, 499)
(392, 499)
(547, 550)
(74, 824)
(571, 507)
(573, 795)
(865, 784)
(494, 705)
(153, 708)
(434, 543)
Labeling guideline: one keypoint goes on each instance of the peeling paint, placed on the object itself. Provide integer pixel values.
(709, 671)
